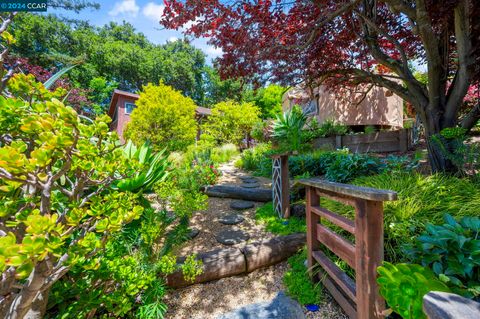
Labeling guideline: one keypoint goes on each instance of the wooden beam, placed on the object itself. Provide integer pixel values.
(367, 193)
(337, 244)
(369, 252)
(340, 298)
(336, 219)
(340, 277)
(312, 221)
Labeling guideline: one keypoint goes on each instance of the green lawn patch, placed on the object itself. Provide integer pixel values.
(267, 216)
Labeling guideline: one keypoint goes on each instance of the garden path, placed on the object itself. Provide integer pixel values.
(209, 300)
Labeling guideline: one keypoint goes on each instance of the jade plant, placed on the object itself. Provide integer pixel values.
(57, 206)
(404, 285)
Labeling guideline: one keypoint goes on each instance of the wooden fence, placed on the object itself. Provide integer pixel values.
(359, 297)
(383, 141)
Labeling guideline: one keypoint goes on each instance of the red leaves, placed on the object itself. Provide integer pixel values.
(287, 41)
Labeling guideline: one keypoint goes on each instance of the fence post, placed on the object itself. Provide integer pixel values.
(403, 140)
(312, 199)
(281, 185)
(338, 141)
(369, 252)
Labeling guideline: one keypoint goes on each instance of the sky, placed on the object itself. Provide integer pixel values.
(143, 15)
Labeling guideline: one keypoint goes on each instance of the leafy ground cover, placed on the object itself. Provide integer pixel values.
(298, 282)
(338, 166)
(267, 216)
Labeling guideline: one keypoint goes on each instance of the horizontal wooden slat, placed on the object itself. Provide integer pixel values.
(367, 193)
(346, 200)
(337, 244)
(341, 278)
(340, 298)
(338, 220)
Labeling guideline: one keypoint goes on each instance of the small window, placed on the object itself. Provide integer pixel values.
(129, 108)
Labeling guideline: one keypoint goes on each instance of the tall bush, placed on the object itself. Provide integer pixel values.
(164, 117)
(230, 122)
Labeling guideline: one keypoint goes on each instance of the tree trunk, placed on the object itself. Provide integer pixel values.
(31, 301)
(437, 158)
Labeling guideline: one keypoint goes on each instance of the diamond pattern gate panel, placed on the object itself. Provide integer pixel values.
(280, 185)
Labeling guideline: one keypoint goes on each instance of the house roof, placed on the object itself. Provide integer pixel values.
(116, 93)
(203, 111)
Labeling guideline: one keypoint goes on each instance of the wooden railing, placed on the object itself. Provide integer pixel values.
(359, 297)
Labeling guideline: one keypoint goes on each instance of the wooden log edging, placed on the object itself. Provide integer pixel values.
(227, 262)
(236, 192)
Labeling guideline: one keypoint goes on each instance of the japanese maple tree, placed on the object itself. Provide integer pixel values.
(350, 43)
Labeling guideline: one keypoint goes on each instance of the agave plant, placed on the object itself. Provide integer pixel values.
(287, 128)
(155, 168)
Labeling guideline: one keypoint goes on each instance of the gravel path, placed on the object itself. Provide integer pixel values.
(208, 300)
(207, 221)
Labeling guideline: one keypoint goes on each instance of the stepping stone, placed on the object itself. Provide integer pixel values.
(231, 237)
(281, 307)
(252, 185)
(193, 233)
(231, 219)
(241, 205)
(246, 177)
(249, 181)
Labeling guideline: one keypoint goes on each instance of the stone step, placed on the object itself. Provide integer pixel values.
(280, 307)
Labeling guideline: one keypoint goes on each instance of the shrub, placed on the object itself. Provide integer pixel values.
(128, 278)
(404, 285)
(261, 131)
(456, 146)
(345, 167)
(223, 153)
(267, 216)
(230, 122)
(452, 251)
(164, 117)
(298, 283)
(326, 129)
(287, 129)
(55, 193)
(255, 159)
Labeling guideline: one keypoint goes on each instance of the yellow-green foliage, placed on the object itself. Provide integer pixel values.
(164, 117)
(56, 204)
(230, 122)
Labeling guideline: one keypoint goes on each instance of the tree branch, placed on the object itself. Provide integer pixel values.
(461, 82)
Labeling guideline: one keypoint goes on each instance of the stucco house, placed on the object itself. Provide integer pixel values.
(122, 105)
(379, 107)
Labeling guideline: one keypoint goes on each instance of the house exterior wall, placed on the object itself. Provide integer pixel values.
(121, 118)
(377, 108)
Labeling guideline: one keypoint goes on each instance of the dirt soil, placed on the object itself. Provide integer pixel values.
(208, 300)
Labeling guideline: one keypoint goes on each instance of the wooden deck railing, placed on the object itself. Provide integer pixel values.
(359, 297)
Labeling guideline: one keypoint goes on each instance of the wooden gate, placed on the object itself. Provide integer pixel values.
(359, 297)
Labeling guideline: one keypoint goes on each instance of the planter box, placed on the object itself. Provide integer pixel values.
(378, 142)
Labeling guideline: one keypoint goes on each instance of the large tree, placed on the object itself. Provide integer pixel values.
(350, 42)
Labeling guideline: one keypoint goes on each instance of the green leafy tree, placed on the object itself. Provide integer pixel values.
(164, 117)
(118, 54)
(231, 122)
(57, 207)
(269, 100)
